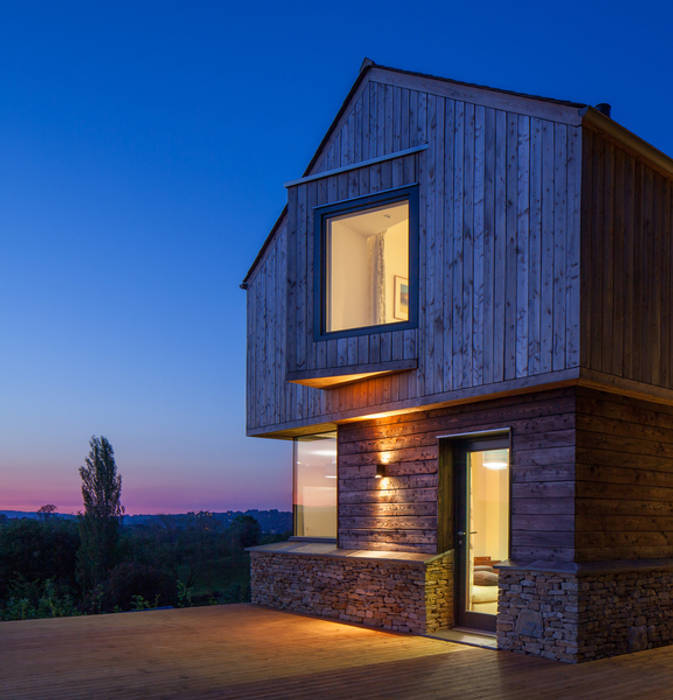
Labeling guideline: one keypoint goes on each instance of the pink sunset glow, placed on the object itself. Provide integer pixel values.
(258, 480)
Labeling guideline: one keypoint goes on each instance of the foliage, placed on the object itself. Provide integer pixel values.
(46, 511)
(130, 580)
(99, 525)
(37, 550)
(246, 531)
(184, 560)
(184, 595)
(28, 600)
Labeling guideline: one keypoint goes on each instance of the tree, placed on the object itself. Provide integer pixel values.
(99, 524)
(245, 531)
(46, 511)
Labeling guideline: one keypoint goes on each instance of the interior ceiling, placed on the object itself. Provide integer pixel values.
(374, 220)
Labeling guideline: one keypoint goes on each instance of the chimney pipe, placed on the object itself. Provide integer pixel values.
(604, 108)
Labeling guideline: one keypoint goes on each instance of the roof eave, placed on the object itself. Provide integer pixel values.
(593, 118)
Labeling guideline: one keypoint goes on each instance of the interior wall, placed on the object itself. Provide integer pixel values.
(351, 285)
(489, 510)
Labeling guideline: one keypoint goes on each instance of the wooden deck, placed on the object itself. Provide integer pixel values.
(240, 651)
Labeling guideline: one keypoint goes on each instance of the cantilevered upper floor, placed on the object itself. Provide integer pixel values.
(449, 242)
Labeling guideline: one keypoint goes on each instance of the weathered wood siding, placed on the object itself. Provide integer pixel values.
(624, 478)
(627, 264)
(373, 349)
(266, 328)
(401, 512)
(499, 255)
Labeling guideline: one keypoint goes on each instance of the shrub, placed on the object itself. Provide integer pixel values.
(130, 581)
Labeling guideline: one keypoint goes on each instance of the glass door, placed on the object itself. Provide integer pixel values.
(481, 469)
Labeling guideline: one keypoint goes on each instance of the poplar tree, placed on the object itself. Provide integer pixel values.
(99, 524)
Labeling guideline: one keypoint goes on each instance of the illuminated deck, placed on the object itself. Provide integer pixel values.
(240, 651)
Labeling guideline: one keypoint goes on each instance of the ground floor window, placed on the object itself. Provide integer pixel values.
(315, 486)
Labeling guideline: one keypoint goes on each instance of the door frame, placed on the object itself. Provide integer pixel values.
(452, 510)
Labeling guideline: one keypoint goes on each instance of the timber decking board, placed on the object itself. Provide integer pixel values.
(242, 651)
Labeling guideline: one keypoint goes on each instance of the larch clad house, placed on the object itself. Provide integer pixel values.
(463, 319)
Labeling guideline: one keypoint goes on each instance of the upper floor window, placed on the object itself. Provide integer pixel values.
(366, 253)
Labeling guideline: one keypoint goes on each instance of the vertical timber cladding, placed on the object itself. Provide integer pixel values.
(499, 193)
(400, 513)
(304, 352)
(627, 264)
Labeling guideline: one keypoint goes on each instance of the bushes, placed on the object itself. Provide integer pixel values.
(37, 551)
(129, 581)
(193, 559)
(29, 600)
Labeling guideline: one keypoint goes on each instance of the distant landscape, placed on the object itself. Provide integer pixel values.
(274, 522)
(160, 560)
(103, 560)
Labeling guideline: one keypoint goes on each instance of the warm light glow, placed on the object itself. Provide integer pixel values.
(384, 414)
(367, 256)
(314, 501)
(336, 380)
(496, 460)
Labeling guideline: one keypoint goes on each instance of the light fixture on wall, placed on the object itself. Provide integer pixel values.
(380, 470)
(496, 460)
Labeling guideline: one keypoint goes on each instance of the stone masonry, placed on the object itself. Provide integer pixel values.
(401, 596)
(584, 615)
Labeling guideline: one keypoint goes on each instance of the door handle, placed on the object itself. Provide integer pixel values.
(462, 533)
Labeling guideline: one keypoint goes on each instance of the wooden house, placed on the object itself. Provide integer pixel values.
(463, 318)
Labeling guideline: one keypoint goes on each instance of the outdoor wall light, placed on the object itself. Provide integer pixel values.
(380, 471)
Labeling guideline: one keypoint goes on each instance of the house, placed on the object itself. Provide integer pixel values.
(463, 318)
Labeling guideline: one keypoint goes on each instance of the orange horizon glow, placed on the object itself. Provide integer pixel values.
(150, 510)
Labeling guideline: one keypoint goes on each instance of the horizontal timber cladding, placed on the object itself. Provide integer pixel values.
(627, 264)
(624, 478)
(400, 512)
(499, 207)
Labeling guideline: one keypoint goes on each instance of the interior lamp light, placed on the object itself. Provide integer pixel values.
(496, 460)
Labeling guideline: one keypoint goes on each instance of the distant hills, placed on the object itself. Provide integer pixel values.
(273, 521)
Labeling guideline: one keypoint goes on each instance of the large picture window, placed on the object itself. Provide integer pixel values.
(367, 262)
(315, 486)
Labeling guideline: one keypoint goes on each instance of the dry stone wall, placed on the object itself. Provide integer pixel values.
(401, 596)
(580, 617)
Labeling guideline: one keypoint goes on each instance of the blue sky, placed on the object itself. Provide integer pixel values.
(143, 149)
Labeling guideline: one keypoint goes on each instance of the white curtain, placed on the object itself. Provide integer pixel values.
(376, 244)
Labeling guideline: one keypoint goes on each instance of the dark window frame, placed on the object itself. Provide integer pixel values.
(321, 215)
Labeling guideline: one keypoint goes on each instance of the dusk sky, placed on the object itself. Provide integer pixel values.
(143, 151)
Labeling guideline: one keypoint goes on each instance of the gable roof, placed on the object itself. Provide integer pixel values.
(367, 65)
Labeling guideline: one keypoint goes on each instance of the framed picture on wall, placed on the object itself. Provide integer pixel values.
(401, 299)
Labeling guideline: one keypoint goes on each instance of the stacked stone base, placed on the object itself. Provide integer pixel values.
(582, 616)
(401, 596)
